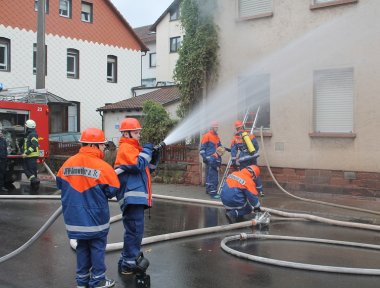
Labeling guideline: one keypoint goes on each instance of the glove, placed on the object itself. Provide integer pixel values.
(227, 149)
(155, 157)
(257, 209)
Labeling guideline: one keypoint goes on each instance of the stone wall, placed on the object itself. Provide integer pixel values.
(365, 184)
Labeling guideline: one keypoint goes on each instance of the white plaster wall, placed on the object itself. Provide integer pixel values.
(147, 71)
(91, 89)
(290, 46)
(165, 60)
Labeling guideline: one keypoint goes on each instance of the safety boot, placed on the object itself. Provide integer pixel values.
(231, 216)
(105, 283)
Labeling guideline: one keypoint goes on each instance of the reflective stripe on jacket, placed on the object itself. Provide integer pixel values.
(135, 181)
(31, 147)
(86, 182)
(238, 189)
(210, 141)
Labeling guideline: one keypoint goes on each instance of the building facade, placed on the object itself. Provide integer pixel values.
(93, 56)
(313, 68)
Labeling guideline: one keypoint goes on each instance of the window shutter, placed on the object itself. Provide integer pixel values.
(249, 8)
(333, 100)
(86, 8)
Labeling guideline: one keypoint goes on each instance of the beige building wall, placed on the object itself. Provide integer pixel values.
(290, 46)
(166, 61)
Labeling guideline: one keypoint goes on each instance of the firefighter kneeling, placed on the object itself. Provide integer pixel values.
(239, 195)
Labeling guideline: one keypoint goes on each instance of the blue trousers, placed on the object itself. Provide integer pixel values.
(91, 268)
(133, 220)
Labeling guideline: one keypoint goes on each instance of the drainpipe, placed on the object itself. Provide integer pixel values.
(101, 115)
(142, 66)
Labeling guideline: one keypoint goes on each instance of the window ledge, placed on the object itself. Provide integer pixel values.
(259, 16)
(332, 3)
(331, 135)
(266, 133)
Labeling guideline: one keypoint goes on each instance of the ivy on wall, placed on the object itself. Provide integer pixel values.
(198, 61)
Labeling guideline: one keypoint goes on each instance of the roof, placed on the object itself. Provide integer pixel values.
(163, 95)
(171, 8)
(145, 34)
(125, 22)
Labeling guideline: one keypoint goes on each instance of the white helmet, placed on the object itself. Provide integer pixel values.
(30, 124)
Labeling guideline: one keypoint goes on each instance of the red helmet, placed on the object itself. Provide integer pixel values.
(92, 135)
(129, 124)
(238, 124)
(254, 170)
(214, 124)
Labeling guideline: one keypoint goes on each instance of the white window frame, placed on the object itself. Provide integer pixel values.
(174, 44)
(250, 9)
(73, 54)
(152, 60)
(67, 11)
(333, 101)
(112, 61)
(86, 16)
(5, 45)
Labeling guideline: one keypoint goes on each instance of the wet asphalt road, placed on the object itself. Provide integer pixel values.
(190, 262)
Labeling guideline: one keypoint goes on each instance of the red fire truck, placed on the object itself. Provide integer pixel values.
(15, 109)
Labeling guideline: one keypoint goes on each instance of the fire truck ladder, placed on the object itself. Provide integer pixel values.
(247, 121)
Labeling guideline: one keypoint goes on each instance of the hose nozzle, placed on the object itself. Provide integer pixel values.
(159, 146)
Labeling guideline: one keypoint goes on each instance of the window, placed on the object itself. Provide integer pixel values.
(254, 8)
(333, 100)
(46, 6)
(86, 12)
(152, 60)
(5, 54)
(174, 14)
(111, 69)
(65, 8)
(254, 92)
(148, 82)
(72, 63)
(175, 43)
(35, 59)
(324, 3)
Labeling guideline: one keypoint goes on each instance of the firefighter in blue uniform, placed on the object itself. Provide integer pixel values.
(87, 182)
(213, 166)
(239, 194)
(241, 157)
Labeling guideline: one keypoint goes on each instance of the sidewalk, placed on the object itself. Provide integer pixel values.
(276, 199)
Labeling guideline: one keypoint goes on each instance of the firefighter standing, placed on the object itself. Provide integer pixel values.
(132, 165)
(209, 142)
(242, 155)
(239, 194)
(3, 160)
(214, 164)
(87, 182)
(31, 153)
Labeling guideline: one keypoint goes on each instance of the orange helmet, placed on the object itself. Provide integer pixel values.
(255, 170)
(92, 135)
(129, 124)
(238, 124)
(214, 124)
